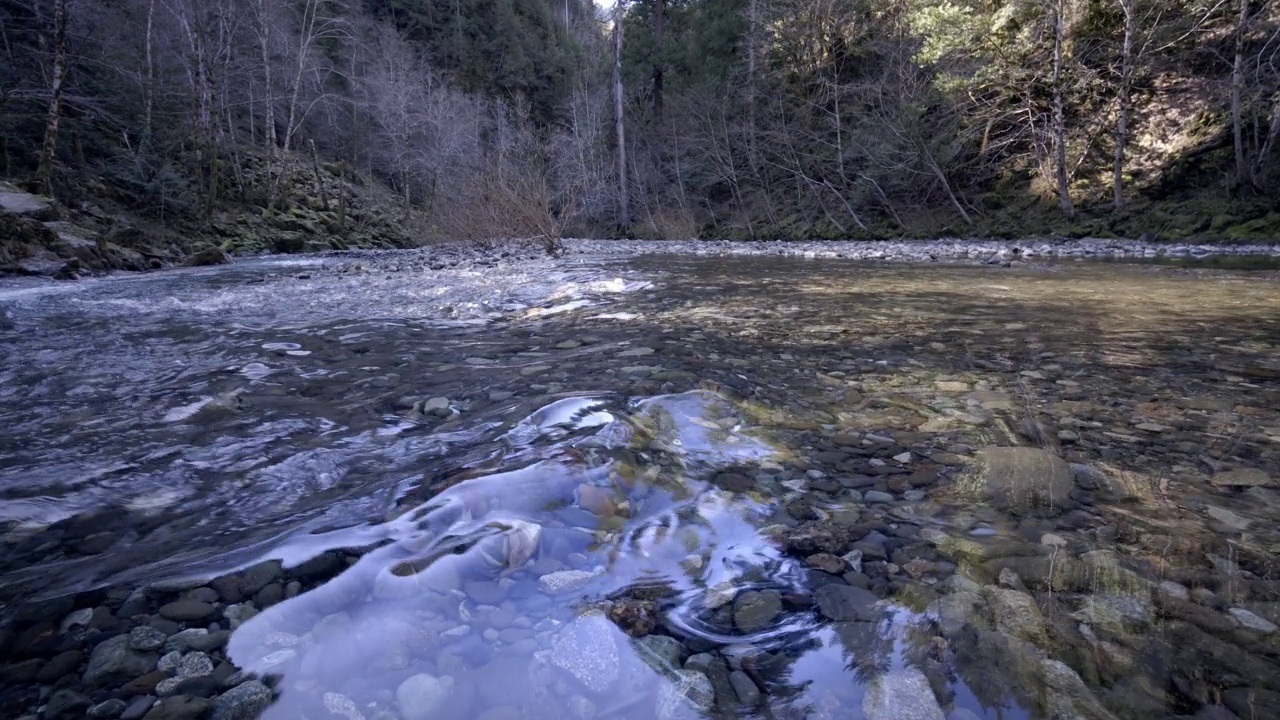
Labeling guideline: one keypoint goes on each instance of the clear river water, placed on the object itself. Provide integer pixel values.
(657, 487)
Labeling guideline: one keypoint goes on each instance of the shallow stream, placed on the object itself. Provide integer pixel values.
(642, 488)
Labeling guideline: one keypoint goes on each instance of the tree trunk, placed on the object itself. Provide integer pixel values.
(44, 173)
(624, 205)
(1237, 83)
(659, 19)
(148, 100)
(264, 36)
(1273, 134)
(1122, 115)
(1059, 121)
(307, 36)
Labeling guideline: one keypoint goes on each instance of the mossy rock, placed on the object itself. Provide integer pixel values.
(289, 242)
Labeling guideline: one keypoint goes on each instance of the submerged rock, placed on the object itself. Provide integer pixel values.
(690, 690)
(754, 610)
(422, 695)
(243, 702)
(1022, 480)
(901, 695)
(113, 661)
(588, 651)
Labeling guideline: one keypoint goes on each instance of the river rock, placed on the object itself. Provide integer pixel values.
(755, 610)
(1016, 614)
(660, 652)
(1067, 696)
(179, 707)
(245, 701)
(1021, 480)
(107, 709)
(689, 689)
(846, 602)
(564, 581)
(422, 695)
(745, 688)
(901, 695)
(114, 662)
(1252, 621)
(1243, 477)
(187, 610)
(146, 638)
(66, 704)
(587, 650)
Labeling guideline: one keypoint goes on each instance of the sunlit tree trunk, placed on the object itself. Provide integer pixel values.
(44, 172)
(1122, 114)
(1237, 83)
(1059, 121)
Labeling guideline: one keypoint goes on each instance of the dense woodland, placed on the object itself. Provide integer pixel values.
(659, 118)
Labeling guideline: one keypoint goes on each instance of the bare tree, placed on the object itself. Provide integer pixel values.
(58, 78)
(1059, 120)
(624, 216)
(1237, 85)
(1124, 100)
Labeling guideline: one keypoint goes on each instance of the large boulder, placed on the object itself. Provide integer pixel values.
(1025, 481)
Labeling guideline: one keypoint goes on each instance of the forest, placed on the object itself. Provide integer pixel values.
(737, 119)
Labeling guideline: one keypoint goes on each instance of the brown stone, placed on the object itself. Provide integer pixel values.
(596, 500)
(144, 685)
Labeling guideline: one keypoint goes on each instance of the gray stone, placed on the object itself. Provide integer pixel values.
(587, 650)
(564, 581)
(66, 704)
(1022, 480)
(1067, 696)
(137, 708)
(1115, 613)
(846, 602)
(1252, 621)
(194, 664)
(660, 652)
(181, 641)
(1231, 520)
(1243, 477)
(187, 610)
(243, 702)
(877, 497)
(169, 662)
(340, 705)
(107, 709)
(754, 610)
(902, 694)
(239, 614)
(746, 690)
(689, 689)
(421, 696)
(186, 707)
(77, 619)
(113, 662)
(145, 638)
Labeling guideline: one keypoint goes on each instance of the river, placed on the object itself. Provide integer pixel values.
(655, 486)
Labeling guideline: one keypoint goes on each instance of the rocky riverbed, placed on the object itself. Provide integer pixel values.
(653, 487)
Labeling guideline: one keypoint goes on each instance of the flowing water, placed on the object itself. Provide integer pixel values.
(661, 487)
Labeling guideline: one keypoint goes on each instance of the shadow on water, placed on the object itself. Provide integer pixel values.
(755, 493)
